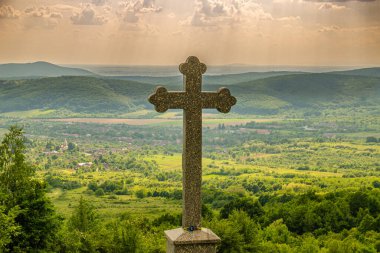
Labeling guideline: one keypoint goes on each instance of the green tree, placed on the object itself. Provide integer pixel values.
(84, 217)
(278, 232)
(232, 240)
(81, 230)
(367, 224)
(99, 192)
(126, 237)
(35, 217)
(239, 233)
(371, 139)
(248, 229)
(252, 207)
(15, 173)
(72, 146)
(140, 194)
(8, 227)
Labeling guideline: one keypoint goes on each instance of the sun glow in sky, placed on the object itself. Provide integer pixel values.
(165, 32)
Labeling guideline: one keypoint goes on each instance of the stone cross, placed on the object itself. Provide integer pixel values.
(192, 100)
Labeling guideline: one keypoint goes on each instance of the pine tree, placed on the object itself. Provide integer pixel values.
(23, 198)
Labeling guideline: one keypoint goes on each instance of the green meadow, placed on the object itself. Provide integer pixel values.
(303, 185)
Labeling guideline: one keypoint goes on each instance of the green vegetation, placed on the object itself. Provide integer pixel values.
(296, 168)
(68, 95)
(305, 185)
(271, 93)
(28, 219)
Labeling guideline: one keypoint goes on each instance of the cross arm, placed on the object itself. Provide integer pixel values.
(221, 100)
(164, 100)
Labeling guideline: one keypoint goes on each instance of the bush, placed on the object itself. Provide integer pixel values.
(140, 194)
(252, 207)
(99, 192)
(371, 139)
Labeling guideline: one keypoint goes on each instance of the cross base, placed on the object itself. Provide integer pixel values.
(199, 241)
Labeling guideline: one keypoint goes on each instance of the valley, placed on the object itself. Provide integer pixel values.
(296, 162)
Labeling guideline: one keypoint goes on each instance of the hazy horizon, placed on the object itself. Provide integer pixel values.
(172, 70)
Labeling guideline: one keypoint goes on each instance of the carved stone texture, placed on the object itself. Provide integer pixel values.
(182, 241)
(192, 101)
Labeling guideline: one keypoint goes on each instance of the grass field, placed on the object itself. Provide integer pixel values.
(37, 113)
(215, 172)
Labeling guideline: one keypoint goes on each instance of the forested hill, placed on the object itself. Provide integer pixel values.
(360, 72)
(75, 94)
(275, 94)
(38, 69)
(307, 91)
(224, 79)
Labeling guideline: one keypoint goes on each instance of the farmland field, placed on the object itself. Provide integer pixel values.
(285, 167)
(210, 122)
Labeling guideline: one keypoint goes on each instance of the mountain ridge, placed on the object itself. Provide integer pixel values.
(39, 69)
(271, 95)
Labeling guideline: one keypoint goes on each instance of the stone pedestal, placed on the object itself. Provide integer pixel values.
(198, 241)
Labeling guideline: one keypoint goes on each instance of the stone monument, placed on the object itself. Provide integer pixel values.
(191, 237)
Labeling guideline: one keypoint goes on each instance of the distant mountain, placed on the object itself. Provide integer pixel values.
(360, 72)
(38, 69)
(307, 92)
(75, 94)
(227, 79)
(272, 95)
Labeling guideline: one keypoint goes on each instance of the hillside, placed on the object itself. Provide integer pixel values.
(38, 69)
(315, 92)
(227, 79)
(75, 94)
(91, 95)
(375, 72)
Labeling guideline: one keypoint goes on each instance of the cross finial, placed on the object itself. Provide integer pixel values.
(225, 101)
(159, 99)
(192, 66)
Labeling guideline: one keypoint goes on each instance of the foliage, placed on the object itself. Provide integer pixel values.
(251, 207)
(281, 184)
(8, 227)
(30, 215)
(84, 217)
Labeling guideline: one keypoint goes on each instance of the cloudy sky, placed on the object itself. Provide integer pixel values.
(165, 32)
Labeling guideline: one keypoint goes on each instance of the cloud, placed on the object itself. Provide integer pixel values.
(289, 18)
(150, 6)
(8, 12)
(88, 16)
(99, 2)
(287, 1)
(64, 8)
(41, 17)
(218, 13)
(56, 15)
(329, 29)
(132, 10)
(330, 6)
(42, 12)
